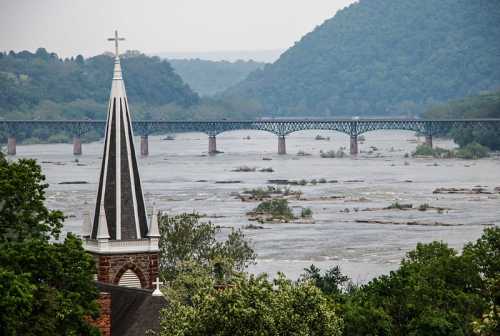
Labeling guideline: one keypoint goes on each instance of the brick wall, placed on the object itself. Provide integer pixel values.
(111, 267)
(104, 320)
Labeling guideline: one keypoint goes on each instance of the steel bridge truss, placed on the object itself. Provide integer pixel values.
(280, 127)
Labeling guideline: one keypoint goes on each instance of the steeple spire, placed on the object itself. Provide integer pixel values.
(120, 194)
(124, 247)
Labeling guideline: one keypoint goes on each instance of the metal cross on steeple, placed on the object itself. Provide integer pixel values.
(116, 39)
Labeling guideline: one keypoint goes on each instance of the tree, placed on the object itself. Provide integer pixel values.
(254, 306)
(485, 253)
(331, 283)
(434, 292)
(185, 240)
(481, 106)
(46, 287)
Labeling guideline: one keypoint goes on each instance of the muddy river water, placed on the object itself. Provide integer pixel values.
(179, 177)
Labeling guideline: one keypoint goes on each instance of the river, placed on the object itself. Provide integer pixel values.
(179, 177)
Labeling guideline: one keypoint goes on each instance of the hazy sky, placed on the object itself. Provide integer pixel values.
(71, 27)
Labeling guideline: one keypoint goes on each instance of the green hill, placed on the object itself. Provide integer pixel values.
(381, 57)
(41, 85)
(208, 77)
(486, 105)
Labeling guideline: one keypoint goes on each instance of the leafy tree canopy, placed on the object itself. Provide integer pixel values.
(486, 105)
(186, 244)
(254, 306)
(434, 292)
(46, 287)
(27, 80)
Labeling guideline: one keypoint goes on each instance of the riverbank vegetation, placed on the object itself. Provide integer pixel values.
(259, 194)
(274, 210)
(471, 151)
(331, 154)
(485, 105)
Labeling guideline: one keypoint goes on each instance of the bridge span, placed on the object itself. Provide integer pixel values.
(280, 127)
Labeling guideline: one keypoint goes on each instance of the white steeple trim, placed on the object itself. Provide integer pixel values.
(106, 159)
(154, 232)
(121, 246)
(117, 70)
(118, 169)
(102, 232)
(87, 224)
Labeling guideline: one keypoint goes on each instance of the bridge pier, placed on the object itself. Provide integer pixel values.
(11, 145)
(354, 145)
(212, 145)
(281, 145)
(428, 140)
(77, 145)
(144, 145)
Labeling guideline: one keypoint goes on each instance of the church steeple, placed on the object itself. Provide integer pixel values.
(120, 192)
(124, 247)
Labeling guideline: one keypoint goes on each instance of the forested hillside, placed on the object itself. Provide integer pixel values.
(481, 106)
(209, 77)
(486, 105)
(42, 86)
(382, 57)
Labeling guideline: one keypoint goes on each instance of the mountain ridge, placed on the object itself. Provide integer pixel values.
(382, 57)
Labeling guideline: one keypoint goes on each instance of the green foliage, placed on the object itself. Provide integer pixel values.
(47, 288)
(434, 292)
(306, 213)
(186, 243)
(332, 283)
(276, 207)
(472, 151)
(426, 150)
(399, 206)
(254, 306)
(38, 77)
(486, 105)
(485, 253)
(378, 57)
(22, 195)
(424, 207)
(208, 77)
(481, 106)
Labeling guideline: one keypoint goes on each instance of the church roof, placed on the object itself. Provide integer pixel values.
(133, 310)
(119, 194)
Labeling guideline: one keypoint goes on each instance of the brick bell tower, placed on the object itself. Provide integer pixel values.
(124, 246)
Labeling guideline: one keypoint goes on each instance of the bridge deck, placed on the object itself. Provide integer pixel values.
(280, 127)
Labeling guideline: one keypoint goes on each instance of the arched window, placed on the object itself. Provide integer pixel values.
(130, 279)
